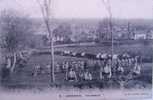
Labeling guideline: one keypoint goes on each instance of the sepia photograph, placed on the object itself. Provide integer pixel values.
(76, 49)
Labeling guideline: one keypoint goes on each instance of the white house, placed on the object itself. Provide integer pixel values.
(150, 35)
(58, 38)
(140, 36)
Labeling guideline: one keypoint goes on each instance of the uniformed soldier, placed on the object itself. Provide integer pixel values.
(119, 71)
(107, 71)
(71, 75)
(137, 69)
(87, 76)
(37, 70)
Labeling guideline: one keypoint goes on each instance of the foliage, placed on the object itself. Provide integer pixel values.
(63, 31)
(16, 31)
(103, 29)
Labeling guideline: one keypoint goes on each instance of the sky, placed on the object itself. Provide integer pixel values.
(126, 9)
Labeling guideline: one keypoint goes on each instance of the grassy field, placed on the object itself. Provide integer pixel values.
(139, 49)
(23, 76)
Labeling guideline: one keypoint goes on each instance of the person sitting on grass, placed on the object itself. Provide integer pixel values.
(71, 75)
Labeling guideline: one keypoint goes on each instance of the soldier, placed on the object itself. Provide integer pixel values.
(57, 67)
(137, 69)
(8, 61)
(82, 65)
(98, 55)
(101, 69)
(80, 75)
(48, 66)
(87, 76)
(123, 62)
(107, 73)
(76, 65)
(126, 62)
(129, 62)
(66, 65)
(71, 75)
(37, 70)
(119, 71)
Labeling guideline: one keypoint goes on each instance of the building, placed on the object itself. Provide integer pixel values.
(140, 36)
(58, 39)
(150, 35)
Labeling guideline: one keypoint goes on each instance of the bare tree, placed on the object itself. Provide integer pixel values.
(45, 6)
(15, 32)
(108, 8)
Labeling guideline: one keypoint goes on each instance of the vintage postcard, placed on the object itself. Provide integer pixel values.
(76, 49)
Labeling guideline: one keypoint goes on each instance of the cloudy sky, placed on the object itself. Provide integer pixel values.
(85, 8)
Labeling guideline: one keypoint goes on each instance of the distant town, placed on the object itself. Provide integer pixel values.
(74, 31)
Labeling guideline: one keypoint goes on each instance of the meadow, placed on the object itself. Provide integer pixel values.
(23, 78)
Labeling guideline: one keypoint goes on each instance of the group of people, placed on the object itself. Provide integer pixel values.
(106, 69)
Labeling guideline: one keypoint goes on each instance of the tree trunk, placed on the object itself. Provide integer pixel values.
(47, 22)
(46, 10)
(14, 62)
(52, 61)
